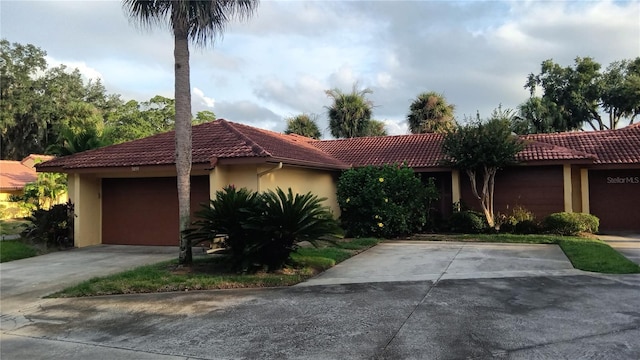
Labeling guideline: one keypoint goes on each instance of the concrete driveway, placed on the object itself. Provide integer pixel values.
(451, 315)
(25, 281)
(626, 244)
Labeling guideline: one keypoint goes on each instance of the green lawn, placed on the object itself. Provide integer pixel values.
(584, 253)
(12, 226)
(210, 273)
(15, 250)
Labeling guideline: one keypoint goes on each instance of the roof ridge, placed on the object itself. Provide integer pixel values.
(555, 146)
(377, 137)
(255, 147)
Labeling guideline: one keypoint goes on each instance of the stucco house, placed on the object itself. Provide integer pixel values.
(14, 175)
(126, 193)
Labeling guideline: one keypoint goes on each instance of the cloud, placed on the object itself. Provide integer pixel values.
(87, 72)
(199, 99)
(278, 63)
(249, 113)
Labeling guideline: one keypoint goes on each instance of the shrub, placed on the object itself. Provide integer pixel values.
(51, 227)
(387, 201)
(565, 223)
(226, 214)
(468, 222)
(527, 227)
(263, 229)
(519, 214)
(286, 219)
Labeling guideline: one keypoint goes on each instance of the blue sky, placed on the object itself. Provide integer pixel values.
(278, 64)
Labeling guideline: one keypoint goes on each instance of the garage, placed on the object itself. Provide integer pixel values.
(144, 211)
(615, 199)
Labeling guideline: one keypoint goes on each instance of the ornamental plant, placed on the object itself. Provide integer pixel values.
(387, 201)
(262, 229)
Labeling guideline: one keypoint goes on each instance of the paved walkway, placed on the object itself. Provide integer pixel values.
(25, 281)
(418, 261)
(628, 245)
(479, 301)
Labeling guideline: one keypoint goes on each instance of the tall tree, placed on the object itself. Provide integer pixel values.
(376, 128)
(350, 114)
(39, 102)
(480, 149)
(71, 142)
(200, 22)
(204, 116)
(578, 95)
(305, 125)
(430, 113)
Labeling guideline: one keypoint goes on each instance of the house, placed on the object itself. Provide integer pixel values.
(126, 193)
(14, 175)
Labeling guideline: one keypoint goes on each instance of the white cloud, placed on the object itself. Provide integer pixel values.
(88, 72)
(277, 64)
(201, 99)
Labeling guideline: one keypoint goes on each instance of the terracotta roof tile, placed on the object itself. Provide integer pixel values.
(222, 139)
(620, 146)
(418, 151)
(541, 151)
(14, 175)
(219, 139)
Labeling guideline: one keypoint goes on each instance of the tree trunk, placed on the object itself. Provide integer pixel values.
(486, 196)
(183, 137)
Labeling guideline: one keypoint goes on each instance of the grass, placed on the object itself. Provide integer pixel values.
(12, 226)
(211, 273)
(597, 256)
(15, 250)
(584, 253)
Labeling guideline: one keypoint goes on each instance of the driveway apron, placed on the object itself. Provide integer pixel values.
(398, 300)
(418, 261)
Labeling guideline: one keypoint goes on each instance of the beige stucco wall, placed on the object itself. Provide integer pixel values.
(237, 175)
(85, 194)
(320, 183)
(269, 177)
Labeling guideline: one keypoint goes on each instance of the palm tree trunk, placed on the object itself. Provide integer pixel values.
(183, 137)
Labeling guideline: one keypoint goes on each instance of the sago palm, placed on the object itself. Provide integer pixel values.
(201, 22)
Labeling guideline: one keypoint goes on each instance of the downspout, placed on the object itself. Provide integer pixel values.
(262, 173)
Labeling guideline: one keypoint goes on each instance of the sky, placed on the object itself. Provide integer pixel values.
(279, 63)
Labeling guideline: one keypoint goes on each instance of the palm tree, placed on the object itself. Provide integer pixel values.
(376, 128)
(305, 125)
(429, 113)
(70, 142)
(350, 114)
(201, 22)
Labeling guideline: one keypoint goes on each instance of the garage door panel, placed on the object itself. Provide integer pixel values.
(614, 197)
(144, 211)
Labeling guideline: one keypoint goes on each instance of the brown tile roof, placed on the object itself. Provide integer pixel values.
(14, 175)
(212, 141)
(620, 146)
(542, 151)
(222, 139)
(418, 151)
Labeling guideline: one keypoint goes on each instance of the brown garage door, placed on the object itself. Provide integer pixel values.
(144, 211)
(614, 197)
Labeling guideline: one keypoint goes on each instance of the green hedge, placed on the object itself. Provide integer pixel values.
(387, 201)
(467, 222)
(565, 223)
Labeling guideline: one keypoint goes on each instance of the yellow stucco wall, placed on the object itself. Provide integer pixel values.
(576, 194)
(85, 192)
(260, 178)
(320, 183)
(568, 189)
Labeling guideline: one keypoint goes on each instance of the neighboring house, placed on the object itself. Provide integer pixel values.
(126, 193)
(14, 175)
